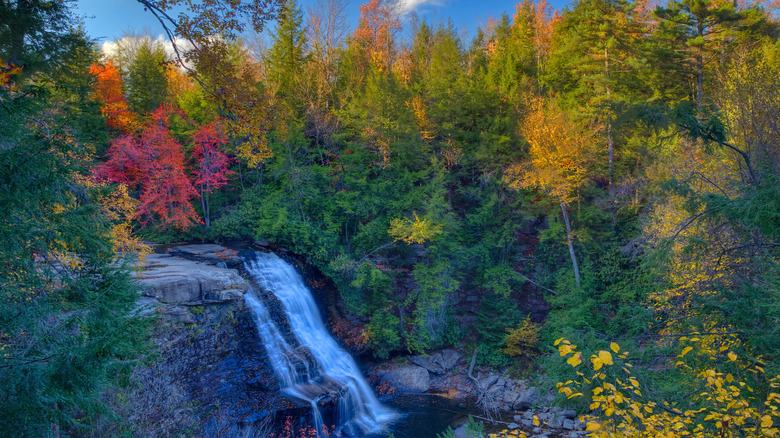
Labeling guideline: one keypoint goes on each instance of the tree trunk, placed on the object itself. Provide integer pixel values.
(570, 241)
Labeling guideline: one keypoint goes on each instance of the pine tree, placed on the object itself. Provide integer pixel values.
(146, 79)
(287, 56)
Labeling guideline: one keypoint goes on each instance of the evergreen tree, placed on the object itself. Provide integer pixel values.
(66, 330)
(146, 79)
(287, 56)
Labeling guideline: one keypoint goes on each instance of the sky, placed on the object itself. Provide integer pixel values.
(108, 20)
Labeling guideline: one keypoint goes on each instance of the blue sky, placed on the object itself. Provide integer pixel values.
(109, 19)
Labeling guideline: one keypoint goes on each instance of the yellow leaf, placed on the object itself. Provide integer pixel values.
(594, 405)
(597, 363)
(634, 382)
(766, 421)
(575, 360)
(615, 347)
(536, 420)
(732, 356)
(557, 341)
(564, 349)
(685, 351)
(592, 426)
(605, 357)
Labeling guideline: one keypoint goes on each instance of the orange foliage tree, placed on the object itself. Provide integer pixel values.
(376, 29)
(108, 88)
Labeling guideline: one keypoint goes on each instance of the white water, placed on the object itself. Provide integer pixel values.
(333, 370)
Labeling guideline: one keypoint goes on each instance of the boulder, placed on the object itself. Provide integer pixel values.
(427, 364)
(409, 379)
(488, 381)
(569, 413)
(527, 399)
(556, 421)
(172, 280)
(513, 426)
(510, 396)
(449, 358)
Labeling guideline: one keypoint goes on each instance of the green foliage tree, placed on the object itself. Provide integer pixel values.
(286, 57)
(146, 79)
(66, 303)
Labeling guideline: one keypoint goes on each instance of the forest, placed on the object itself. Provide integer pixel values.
(618, 159)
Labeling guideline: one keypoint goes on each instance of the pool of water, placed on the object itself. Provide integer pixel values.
(425, 416)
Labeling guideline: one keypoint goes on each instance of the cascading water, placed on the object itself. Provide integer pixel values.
(306, 359)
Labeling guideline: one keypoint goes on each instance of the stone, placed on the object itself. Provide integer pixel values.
(488, 381)
(231, 294)
(568, 424)
(427, 364)
(527, 399)
(462, 432)
(528, 414)
(173, 280)
(198, 250)
(527, 423)
(449, 358)
(409, 379)
(513, 426)
(569, 413)
(510, 396)
(146, 306)
(517, 418)
(178, 314)
(555, 421)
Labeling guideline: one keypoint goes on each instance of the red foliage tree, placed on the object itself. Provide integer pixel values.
(155, 162)
(211, 165)
(109, 91)
(124, 162)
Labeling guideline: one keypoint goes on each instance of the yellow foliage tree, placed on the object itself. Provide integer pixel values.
(414, 231)
(521, 341)
(559, 161)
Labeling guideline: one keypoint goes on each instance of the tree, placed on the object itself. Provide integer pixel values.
(165, 189)
(147, 81)
(376, 30)
(286, 57)
(211, 165)
(66, 330)
(155, 163)
(558, 163)
(111, 94)
(697, 24)
(596, 60)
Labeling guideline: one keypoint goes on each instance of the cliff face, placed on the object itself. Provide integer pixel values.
(210, 375)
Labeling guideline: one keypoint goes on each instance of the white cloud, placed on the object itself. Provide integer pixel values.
(123, 50)
(407, 6)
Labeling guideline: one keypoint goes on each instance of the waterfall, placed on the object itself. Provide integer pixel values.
(307, 361)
